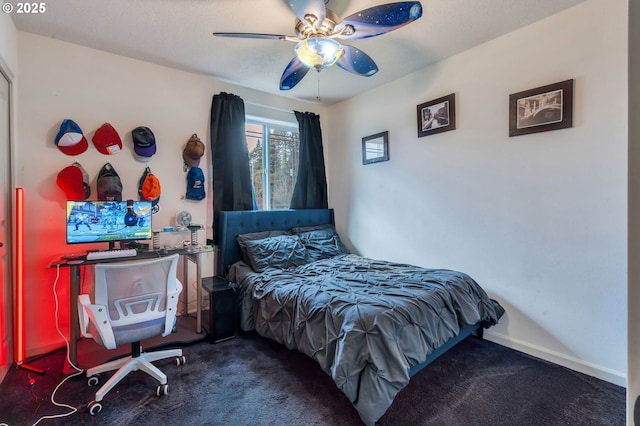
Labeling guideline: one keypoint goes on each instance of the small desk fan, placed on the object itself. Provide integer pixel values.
(183, 220)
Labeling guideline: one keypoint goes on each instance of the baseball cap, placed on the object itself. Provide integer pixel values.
(106, 140)
(144, 143)
(74, 181)
(195, 184)
(149, 189)
(70, 139)
(109, 186)
(193, 151)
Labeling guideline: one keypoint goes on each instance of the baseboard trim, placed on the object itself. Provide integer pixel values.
(616, 377)
(44, 349)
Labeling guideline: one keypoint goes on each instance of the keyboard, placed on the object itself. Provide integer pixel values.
(111, 254)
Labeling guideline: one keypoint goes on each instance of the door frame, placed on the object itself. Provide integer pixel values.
(8, 293)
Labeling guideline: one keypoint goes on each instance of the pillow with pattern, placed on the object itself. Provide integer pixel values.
(281, 252)
(243, 239)
(322, 241)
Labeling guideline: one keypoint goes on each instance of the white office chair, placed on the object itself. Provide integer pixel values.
(134, 300)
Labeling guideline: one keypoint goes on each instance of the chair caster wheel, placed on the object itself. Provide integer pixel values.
(162, 390)
(92, 381)
(94, 408)
(181, 360)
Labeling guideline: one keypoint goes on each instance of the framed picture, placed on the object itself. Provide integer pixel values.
(437, 116)
(375, 148)
(541, 109)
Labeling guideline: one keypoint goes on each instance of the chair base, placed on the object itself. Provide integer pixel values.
(132, 363)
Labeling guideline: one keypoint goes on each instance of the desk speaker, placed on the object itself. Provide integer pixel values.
(219, 320)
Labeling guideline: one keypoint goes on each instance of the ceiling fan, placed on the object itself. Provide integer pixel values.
(317, 29)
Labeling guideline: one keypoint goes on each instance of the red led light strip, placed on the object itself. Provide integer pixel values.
(19, 274)
(20, 341)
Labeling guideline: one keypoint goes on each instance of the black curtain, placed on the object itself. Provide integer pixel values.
(231, 175)
(310, 191)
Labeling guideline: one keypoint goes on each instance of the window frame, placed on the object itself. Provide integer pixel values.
(267, 125)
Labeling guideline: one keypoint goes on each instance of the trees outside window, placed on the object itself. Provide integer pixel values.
(273, 160)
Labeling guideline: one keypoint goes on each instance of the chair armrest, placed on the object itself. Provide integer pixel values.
(172, 307)
(95, 315)
(83, 317)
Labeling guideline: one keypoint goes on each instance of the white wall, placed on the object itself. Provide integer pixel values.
(539, 220)
(61, 80)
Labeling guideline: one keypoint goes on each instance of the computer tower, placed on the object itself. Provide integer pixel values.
(219, 319)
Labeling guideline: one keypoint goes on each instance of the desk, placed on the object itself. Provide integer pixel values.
(194, 256)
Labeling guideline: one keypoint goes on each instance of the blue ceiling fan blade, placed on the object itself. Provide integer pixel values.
(356, 61)
(379, 20)
(308, 7)
(293, 73)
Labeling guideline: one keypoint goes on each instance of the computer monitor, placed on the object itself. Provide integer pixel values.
(108, 221)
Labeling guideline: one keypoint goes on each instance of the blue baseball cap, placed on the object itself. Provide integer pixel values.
(195, 184)
(70, 139)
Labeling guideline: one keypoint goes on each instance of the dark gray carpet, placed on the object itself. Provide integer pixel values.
(251, 381)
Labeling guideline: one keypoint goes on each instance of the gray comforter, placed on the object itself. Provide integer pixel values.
(366, 322)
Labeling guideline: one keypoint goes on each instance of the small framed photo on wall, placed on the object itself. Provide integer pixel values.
(375, 148)
(437, 116)
(541, 109)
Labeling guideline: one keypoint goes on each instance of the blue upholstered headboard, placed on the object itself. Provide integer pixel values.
(230, 224)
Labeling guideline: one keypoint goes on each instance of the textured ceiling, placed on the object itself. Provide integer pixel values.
(178, 34)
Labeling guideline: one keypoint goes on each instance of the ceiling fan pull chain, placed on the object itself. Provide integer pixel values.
(318, 96)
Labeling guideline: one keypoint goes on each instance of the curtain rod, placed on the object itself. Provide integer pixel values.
(289, 111)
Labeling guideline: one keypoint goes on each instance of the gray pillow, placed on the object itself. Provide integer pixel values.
(243, 239)
(322, 242)
(281, 252)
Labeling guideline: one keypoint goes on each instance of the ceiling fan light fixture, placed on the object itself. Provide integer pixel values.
(319, 52)
(318, 27)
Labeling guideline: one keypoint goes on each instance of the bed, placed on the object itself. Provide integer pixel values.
(370, 324)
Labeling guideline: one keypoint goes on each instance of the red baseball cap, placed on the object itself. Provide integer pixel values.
(73, 182)
(107, 140)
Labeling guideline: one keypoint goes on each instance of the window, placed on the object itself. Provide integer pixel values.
(273, 161)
